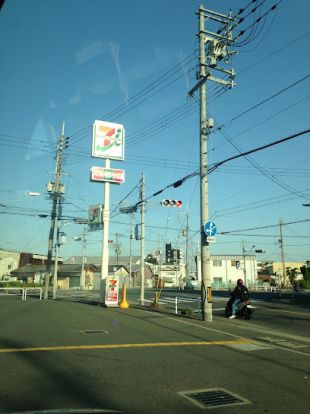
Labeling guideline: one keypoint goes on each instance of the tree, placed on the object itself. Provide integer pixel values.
(305, 283)
(292, 274)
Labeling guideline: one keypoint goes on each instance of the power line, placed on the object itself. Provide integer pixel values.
(265, 227)
(264, 101)
(218, 164)
(124, 108)
(262, 170)
(279, 141)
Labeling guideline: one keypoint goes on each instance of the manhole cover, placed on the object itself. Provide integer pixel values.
(94, 331)
(214, 398)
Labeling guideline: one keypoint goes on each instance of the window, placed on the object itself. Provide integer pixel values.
(218, 280)
(217, 263)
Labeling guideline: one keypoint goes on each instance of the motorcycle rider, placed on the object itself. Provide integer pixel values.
(239, 294)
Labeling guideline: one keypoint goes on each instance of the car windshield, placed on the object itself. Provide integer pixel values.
(152, 155)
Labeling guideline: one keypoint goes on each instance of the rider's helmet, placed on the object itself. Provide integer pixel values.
(239, 282)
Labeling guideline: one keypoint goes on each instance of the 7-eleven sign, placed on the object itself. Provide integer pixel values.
(108, 140)
(111, 291)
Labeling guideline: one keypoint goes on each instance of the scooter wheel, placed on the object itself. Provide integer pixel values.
(248, 315)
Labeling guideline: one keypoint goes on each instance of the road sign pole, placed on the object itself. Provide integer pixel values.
(105, 239)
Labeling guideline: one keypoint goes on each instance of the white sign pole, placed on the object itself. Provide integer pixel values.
(105, 240)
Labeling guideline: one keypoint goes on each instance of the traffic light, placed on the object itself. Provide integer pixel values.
(171, 203)
(259, 251)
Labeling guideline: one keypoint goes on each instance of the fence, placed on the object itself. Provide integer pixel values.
(184, 305)
(24, 291)
(33, 289)
(11, 289)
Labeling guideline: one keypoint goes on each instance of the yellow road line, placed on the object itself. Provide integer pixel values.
(119, 346)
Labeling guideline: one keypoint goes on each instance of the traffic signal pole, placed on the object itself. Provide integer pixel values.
(204, 206)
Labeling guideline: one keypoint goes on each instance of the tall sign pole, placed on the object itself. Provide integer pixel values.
(105, 239)
(108, 143)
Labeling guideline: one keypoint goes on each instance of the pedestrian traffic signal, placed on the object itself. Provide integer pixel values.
(171, 203)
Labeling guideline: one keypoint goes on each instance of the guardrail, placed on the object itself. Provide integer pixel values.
(179, 301)
(263, 288)
(32, 288)
(14, 288)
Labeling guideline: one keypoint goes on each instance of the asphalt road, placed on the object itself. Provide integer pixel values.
(64, 354)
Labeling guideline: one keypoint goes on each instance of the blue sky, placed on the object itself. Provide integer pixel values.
(133, 62)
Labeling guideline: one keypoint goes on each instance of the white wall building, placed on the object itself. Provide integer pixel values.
(227, 269)
(9, 260)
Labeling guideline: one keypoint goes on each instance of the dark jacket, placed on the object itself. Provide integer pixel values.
(241, 292)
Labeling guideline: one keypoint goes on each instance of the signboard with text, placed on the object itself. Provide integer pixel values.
(108, 140)
(112, 175)
(111, 291)
(95, 217)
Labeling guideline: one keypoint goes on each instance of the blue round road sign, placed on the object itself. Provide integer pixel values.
(210, 228)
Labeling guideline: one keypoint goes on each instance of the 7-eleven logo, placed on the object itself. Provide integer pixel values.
(107, 137)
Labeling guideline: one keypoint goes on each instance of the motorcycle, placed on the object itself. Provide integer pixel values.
(243, 310)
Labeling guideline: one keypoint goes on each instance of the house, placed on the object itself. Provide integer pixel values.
(275, 269)
(68, 276)
(227, 269)
(11, 260)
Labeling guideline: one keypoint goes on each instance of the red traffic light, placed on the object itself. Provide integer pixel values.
(171, 203)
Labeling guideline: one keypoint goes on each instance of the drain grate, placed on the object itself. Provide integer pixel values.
(214, 398)
(94, 331)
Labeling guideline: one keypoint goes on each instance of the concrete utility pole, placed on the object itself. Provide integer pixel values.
(217, 41)
(84, 244)
(57, 245)
(282, 256)
(244, 267)
(186, 247)
(130, 210)
(56, 190)
(142, 208)
(204, 203)
(130, 249)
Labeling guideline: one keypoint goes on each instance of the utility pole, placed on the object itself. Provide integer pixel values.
(130, 249)
(244, 268)
(117, 248)
(130, 210)
(217, 52)
(142, 209)
(57, 245)
(186, 247)
(204, 203)
(84, 243)
(56, 190)
(282, 256)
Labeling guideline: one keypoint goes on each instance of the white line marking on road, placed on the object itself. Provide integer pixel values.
(238, 336)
